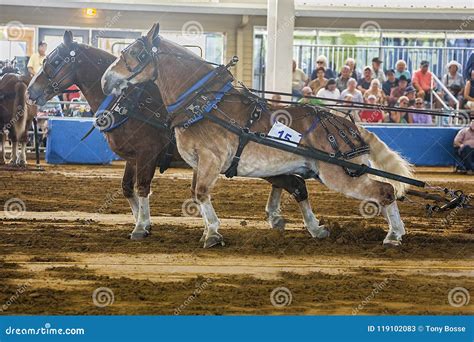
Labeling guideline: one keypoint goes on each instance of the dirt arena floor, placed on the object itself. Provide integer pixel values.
(69, 252)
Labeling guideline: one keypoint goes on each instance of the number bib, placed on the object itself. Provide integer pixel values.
(288, 135)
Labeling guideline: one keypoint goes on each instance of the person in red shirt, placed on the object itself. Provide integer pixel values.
(371, 115)
(422, 81)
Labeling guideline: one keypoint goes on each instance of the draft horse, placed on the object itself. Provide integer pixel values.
(16, 116)
(213, 120)
(139, 132)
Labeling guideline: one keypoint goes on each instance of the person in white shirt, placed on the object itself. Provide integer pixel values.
(352, 90)
(330, 92)
(298, 81)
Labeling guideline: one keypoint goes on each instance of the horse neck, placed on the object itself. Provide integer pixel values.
(176, 76)
(88, 77)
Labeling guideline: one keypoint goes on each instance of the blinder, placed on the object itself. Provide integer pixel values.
(144, 56)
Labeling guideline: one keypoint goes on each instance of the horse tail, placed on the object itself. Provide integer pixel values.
(20, 110)
(386, 159)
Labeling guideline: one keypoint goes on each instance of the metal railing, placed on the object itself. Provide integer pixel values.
(306, 55)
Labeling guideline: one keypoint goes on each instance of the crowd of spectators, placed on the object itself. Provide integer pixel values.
(395, 87)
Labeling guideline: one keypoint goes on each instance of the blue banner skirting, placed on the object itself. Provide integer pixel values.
(238, 328)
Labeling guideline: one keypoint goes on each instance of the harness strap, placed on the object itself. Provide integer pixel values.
(167, 157)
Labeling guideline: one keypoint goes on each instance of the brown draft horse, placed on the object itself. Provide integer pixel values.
(140, 144)
(209, 148)
(16, 116)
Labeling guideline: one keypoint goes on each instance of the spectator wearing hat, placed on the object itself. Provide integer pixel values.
(351, 63)
(330, 91)
(322, 62)
(377, 71)
(454, 81)
(420, 118)
(401, 70)
(299, 79)
(344, 76)
(422, 80)
(364, 82)
(464, 146)
(398, 91)
(319, 82)
(36, 59)
(353, 91)
(371, 115)
(376, 91)
(469, 92)
(390, 83)
(410, 92)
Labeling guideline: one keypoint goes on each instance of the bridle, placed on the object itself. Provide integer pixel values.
(55, 61)
(145, 56)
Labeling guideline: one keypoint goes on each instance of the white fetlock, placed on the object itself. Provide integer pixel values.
(276, 221)
(392, 239)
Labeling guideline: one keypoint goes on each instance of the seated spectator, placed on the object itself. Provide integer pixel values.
(319, 82)
(469, 66)
(376, 91)
(399, 116)
(398, 91)
(469, 92)
(390, 83)
(341, 81)
(377, 71)
(348, 99)
(371, 115)
(298, 81)
(275, 103)
(453, 75)
(422, 81)
(464, 146)
(364, 82)
(307, 91)
(401, 70)
(410, 92)
(420, 118)
(329, 91)
(322, 61)
(350, 62)
(351, 90)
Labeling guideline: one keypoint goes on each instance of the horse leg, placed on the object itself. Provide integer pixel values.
(128, 190)
(22, 154)
(14, 153)
(145, 170)
(207, 174)
(2, 147)
(193, 196)
(395, 223)
(365, 188)
(296, 187)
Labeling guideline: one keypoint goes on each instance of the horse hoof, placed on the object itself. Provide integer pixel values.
(21, 163)
(148, 229)
(139, 235)
(319, 233)
(278, 223)
(391, 243)
(214, 240)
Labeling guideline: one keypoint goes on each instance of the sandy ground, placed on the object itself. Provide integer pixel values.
(71, 242)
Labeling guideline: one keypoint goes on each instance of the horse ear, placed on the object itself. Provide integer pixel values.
(68, 38)
(154, 32)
